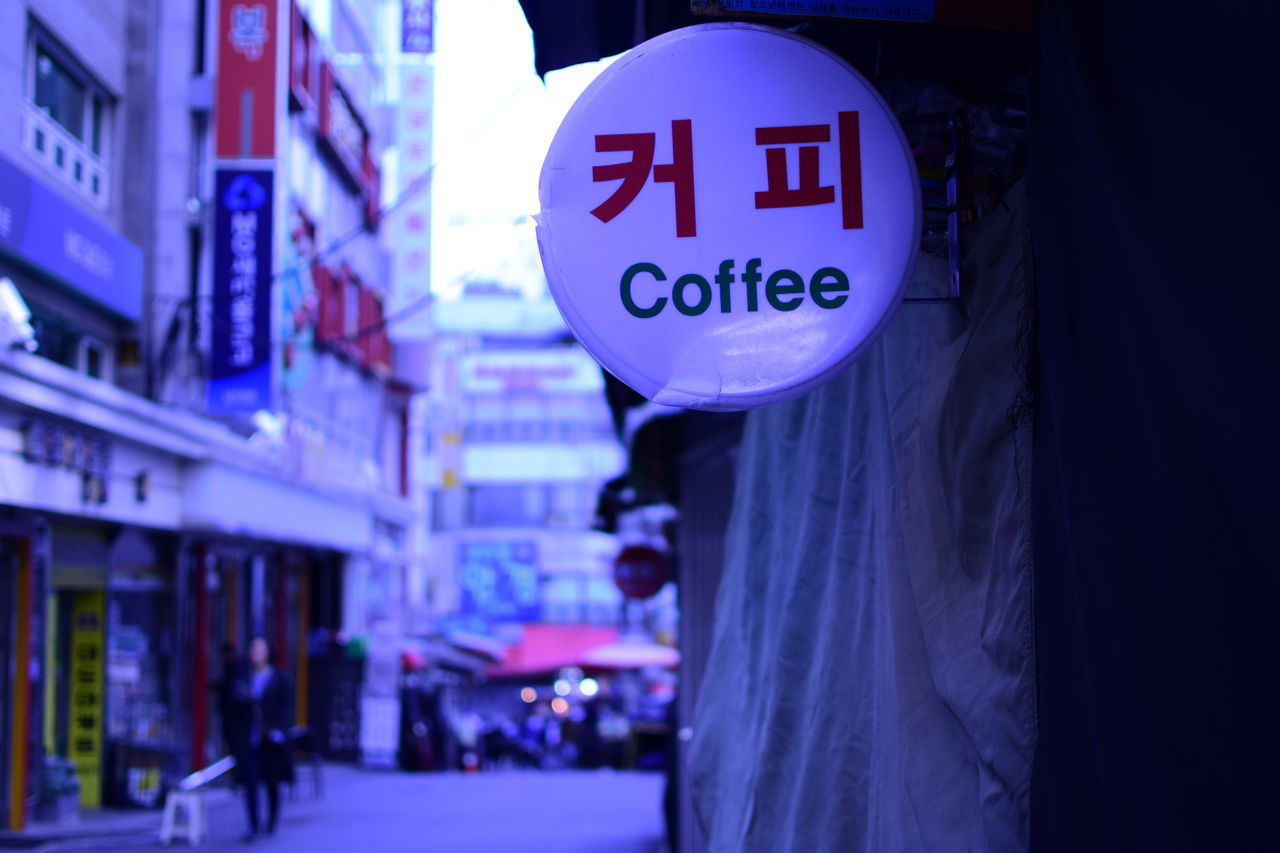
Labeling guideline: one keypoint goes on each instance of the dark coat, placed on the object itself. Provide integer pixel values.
(273, 714)
(234, 696)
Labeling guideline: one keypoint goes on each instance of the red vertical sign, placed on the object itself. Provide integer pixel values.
(246, 93)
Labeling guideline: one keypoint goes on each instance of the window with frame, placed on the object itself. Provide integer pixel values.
(68, 96)
(68, 113)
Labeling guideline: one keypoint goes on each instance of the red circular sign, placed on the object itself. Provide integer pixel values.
(640, 571)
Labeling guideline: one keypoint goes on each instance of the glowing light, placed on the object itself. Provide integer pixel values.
(529, 695)
(559, 705)
(562, 687)
(589, 687)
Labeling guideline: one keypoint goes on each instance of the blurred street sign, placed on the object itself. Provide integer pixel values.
(416, 31)
(499, 581)
(640, 571)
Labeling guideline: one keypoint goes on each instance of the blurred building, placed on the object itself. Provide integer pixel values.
(204, 431)
(521, 441)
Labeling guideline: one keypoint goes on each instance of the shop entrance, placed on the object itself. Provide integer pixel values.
(233, 588)
(140, 744)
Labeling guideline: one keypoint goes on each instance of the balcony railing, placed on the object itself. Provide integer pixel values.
(64, 155)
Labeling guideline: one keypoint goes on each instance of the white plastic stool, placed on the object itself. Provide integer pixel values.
(193, 822)
(187, 799)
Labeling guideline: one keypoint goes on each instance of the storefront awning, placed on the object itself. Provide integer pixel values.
(547, 648)
(630, 653)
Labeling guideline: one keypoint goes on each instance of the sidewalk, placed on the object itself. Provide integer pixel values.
(96, 824)
(103, 828)
(569, 812)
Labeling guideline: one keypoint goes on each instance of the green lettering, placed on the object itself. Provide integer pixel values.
(630, 304)
(773, 291)
(829, 280)
(751, 278)
(704, 294)
(724, 278)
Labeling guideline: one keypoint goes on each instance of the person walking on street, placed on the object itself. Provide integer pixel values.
(264, 758)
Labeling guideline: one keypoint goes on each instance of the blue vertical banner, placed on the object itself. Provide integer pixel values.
(241, 358)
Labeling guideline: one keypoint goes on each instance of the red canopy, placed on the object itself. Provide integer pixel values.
(546, 648)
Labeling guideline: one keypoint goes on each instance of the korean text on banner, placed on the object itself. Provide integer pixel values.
(87, 695)
(242, 358)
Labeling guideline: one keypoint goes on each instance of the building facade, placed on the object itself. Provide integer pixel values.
(204, 434)
(521, 441)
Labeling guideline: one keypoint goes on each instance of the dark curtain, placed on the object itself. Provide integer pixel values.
(1152, 152)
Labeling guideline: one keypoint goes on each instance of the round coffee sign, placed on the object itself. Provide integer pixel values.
(730, 216)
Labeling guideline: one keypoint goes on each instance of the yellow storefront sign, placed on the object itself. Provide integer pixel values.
(87, 694)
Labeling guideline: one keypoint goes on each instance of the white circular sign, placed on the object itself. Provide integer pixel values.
(730, 216)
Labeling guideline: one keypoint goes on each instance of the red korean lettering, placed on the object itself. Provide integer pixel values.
(808, 191)
(635, 172)
(779, 193)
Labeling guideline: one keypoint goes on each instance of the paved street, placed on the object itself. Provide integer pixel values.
(569, 812)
